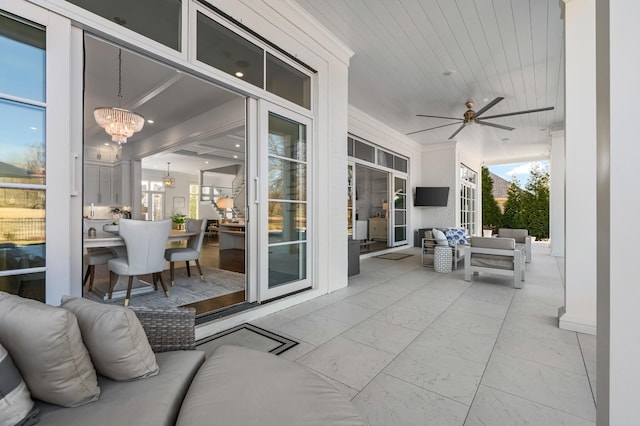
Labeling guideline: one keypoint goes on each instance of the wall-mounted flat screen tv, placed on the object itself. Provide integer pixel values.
(431, 196)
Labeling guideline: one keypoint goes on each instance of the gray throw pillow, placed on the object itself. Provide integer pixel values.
(116, 341)
(16, 405)
(45, 344)
(440, 238)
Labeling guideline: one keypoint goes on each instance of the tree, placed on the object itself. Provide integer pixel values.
(536, 202)
(491, 214)
(513, 207)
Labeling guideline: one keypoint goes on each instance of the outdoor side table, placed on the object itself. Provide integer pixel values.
(442, 259)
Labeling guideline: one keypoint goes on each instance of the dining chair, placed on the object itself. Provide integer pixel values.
(145, 242)
(191, 251)
(91, 259)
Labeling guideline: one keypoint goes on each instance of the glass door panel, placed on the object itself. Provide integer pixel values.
(22, 157)
(399, 211)
(285, 260)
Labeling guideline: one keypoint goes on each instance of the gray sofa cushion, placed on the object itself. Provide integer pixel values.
(45, 344)
(239, 386)
(152, 401)
(16, 405)
(115, 339)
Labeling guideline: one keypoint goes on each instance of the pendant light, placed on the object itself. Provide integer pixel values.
(119, 123)
(168, 180)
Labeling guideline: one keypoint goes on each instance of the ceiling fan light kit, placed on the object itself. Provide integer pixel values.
(471, 117)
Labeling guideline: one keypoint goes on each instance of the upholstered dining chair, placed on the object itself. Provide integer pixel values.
(145, 242)
(191, 251)
(91, 259)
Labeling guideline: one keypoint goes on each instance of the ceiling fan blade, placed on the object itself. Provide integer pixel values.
(519, 112)
(457, 131)
(430, 128)
(487, 106)
(437, 116)
(499, 126)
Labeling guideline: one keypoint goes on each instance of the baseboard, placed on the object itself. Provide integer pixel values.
(580, 325)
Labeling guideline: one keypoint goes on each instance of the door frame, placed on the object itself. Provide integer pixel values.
(262, 201)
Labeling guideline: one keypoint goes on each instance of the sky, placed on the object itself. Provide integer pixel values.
(520, 170)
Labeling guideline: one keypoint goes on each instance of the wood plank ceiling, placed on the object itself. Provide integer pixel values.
(431, 56)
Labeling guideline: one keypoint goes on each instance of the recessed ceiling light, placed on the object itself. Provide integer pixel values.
(237, 145)
(239, 74)
(235, 156)
(150, 121)
(33, 128)
(449, 72)
(206, 162)
(106, 143)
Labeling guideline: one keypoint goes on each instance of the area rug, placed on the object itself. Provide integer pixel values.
(393, 256)
(217, 282)
(248, 336)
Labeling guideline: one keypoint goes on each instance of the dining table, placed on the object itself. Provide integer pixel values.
(104, 239)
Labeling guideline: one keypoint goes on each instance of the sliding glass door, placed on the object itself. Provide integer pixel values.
(34, 153)
(285, 217)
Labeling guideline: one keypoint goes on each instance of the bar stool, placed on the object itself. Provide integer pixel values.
(91, 259)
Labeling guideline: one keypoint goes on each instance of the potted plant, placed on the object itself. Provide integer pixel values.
(179, 220)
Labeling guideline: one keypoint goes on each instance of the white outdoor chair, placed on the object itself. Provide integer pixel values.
(145, 242)
(496, 256)
(191, 251)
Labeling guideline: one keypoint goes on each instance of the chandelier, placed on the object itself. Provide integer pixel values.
(168, 180)
(118, 122)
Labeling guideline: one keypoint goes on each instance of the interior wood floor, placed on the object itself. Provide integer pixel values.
(210, 255)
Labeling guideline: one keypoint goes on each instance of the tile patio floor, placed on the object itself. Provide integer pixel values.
(410, 346)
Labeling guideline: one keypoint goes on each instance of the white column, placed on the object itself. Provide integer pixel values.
(556, 196)
(618, 370)
(579, 310)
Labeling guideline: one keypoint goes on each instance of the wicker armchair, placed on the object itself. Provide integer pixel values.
(168, 329)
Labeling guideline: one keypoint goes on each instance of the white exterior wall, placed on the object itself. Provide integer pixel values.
(579, 311)
(440, 168)
(557, 194)
(618, 371)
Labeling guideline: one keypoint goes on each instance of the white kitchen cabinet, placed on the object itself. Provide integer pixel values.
(98, 185)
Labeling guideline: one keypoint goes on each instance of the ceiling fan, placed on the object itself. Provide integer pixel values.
(471, 117)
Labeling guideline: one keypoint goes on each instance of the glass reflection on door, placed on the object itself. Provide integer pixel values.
(22, 157)
(287, 207)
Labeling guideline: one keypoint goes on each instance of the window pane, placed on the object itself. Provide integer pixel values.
(287, 263)
(287, 222)
(365, 152)
(400, 217)
(227, 51)
(385, 159)
(287, 180)
(399, 164)
(22, 59)
(287, 138)
(400, 233)
(22, 147)
(26, 285)
(350, 147)
(160, 20)
(287, 82)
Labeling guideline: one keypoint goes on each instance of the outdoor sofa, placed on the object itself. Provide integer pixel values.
(156, 378)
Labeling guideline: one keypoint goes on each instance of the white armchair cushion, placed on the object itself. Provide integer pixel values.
(439, 236)
(115, 339)
(45, 344)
